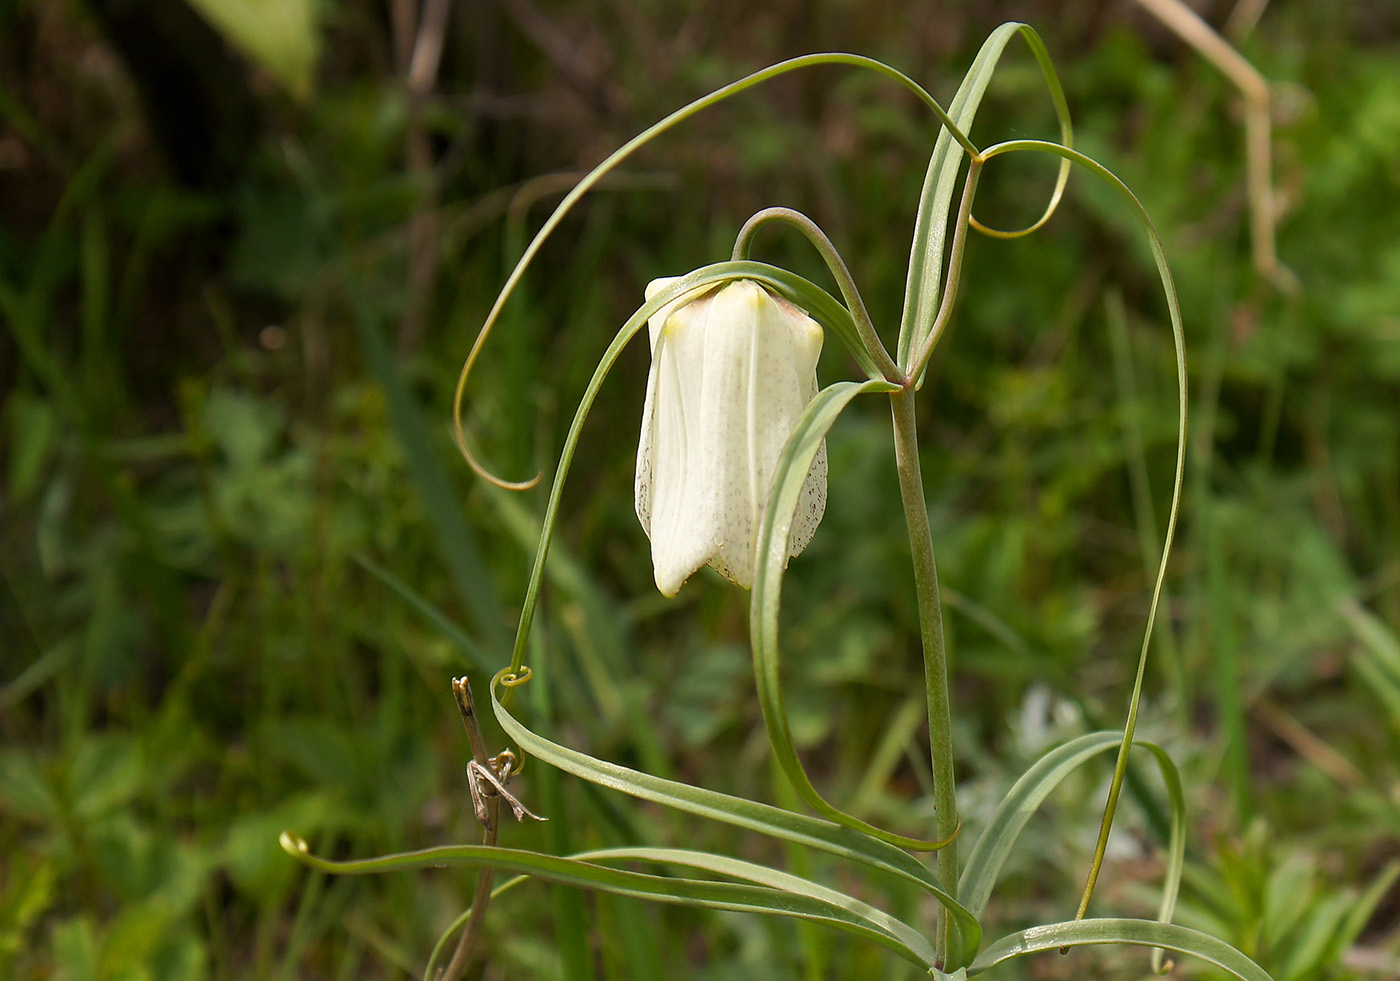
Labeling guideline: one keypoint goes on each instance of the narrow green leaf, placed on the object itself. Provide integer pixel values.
(764, 608)
(1164, 273)
(1311, 940)
(989, 854)
(738, 811)
(922, 295)
(1380, 643)
(1365, 905)
(1146, 933)
(735, 868)
(741, 897)
(429, 612)
(993, 846)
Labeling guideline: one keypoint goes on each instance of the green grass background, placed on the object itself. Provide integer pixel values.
(225, 381)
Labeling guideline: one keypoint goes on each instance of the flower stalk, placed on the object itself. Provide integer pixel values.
(940, 720)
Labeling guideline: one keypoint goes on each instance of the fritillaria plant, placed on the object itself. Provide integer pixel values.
(731, 472)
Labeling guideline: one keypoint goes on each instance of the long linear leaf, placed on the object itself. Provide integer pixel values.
(641, 139)
(429, 612)
(766, 819)
(736, 868)
(993, 846)
(921, 291)
(735, 896)
(774, 531)
(989, 854)
(1146, 933)
(1164, 273)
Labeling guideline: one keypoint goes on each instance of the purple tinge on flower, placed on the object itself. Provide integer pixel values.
(730, 374)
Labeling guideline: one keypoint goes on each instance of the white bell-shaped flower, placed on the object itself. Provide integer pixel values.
(730, 374)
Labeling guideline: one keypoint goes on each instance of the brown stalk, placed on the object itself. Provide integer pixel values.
(471, 933)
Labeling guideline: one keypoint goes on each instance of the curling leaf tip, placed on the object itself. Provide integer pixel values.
(293, 844)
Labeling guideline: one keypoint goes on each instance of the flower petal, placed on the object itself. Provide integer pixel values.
(731, 373)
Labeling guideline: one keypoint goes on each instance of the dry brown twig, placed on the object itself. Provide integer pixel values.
(1188, 25)
(487, 777)
(418, 40)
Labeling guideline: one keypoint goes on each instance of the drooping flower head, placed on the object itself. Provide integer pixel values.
(730, 374)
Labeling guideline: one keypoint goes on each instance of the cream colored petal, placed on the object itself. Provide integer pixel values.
(642, 486)
(807, 339)
(731, 374)
(681, 509)
(658, 319)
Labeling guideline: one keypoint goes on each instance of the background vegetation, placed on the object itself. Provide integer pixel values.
(240, 266)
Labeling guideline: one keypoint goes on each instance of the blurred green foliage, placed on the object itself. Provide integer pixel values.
(227, 478)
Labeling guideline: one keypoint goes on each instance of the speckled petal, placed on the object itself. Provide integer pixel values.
(731, 373)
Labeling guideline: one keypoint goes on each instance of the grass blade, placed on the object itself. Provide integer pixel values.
(455, 540)
(425, 608)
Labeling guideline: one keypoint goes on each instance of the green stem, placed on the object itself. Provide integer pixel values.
(940, 729)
